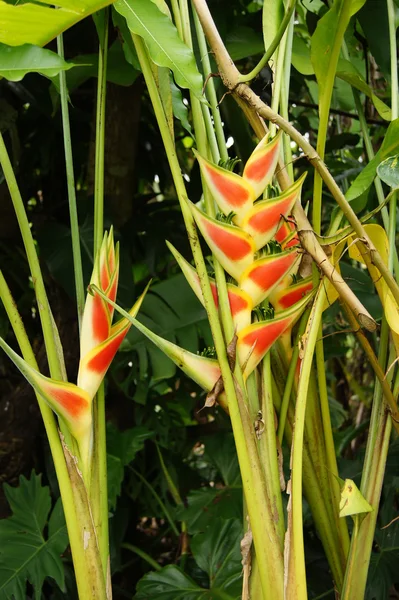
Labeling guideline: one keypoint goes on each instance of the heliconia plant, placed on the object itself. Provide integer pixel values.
(99, 342)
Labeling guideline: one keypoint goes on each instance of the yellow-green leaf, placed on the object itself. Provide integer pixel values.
(352, 502)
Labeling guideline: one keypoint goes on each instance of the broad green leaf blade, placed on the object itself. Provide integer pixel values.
(327, 40)
(389, 147)
(17, 61)
(164, 45)
(207, 504)
(388, 171)
(170, 583)
(25, 554)
(217, 552)
(272, 15)
(37, 24)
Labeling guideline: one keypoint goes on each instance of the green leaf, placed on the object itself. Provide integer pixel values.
(37, 24)
(301, 56)
(221, 451)
(164, 45)
(170, 583)
(388, 171)
(122, 447)
(217, 552)
(272, 15)
(179, 108)
(348, 72)
(207, 504)
(327, 40)
(389, 147)
(25, 554)
(17, 61)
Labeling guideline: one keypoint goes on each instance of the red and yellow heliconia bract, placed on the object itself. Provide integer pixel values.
(99, 342)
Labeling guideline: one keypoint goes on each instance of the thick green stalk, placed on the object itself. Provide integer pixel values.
(279, 78)
(210, 88)
(290, 378)
(295, 587)
(268, 448)
(83, 581)
(100, 136)
(273, 46)
(73, 213)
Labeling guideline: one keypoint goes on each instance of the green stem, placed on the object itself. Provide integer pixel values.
(153, 563)
(290, 379)
(210, 88)
(100, 137)
(273, 46)
(73, 213)
(296, 572)
(177, 17)
(68, 501)
(162, 505)
(278, 79)
(268, 449)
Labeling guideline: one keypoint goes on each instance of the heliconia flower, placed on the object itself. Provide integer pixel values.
(256, 340)
(264, 274)
(94, 365)
(281, 299)
(99, 344)
(232, 247)
(230, 191)
(260, 166)
(263, 220)
(240, 303)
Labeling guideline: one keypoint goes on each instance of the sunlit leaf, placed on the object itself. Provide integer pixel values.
(388, 171)
(165, 47)
(352, 502)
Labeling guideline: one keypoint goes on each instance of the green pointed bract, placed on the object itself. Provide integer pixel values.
(188, 271)
(67, 400)
(204, 371)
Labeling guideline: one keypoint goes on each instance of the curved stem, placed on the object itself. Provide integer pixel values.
(273, 46)
(153, 563)
(73, 213)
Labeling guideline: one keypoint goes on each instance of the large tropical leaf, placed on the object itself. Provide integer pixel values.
(26, 554)
(217, 553)
(32, 23)
(164, 45)
(17, 61)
